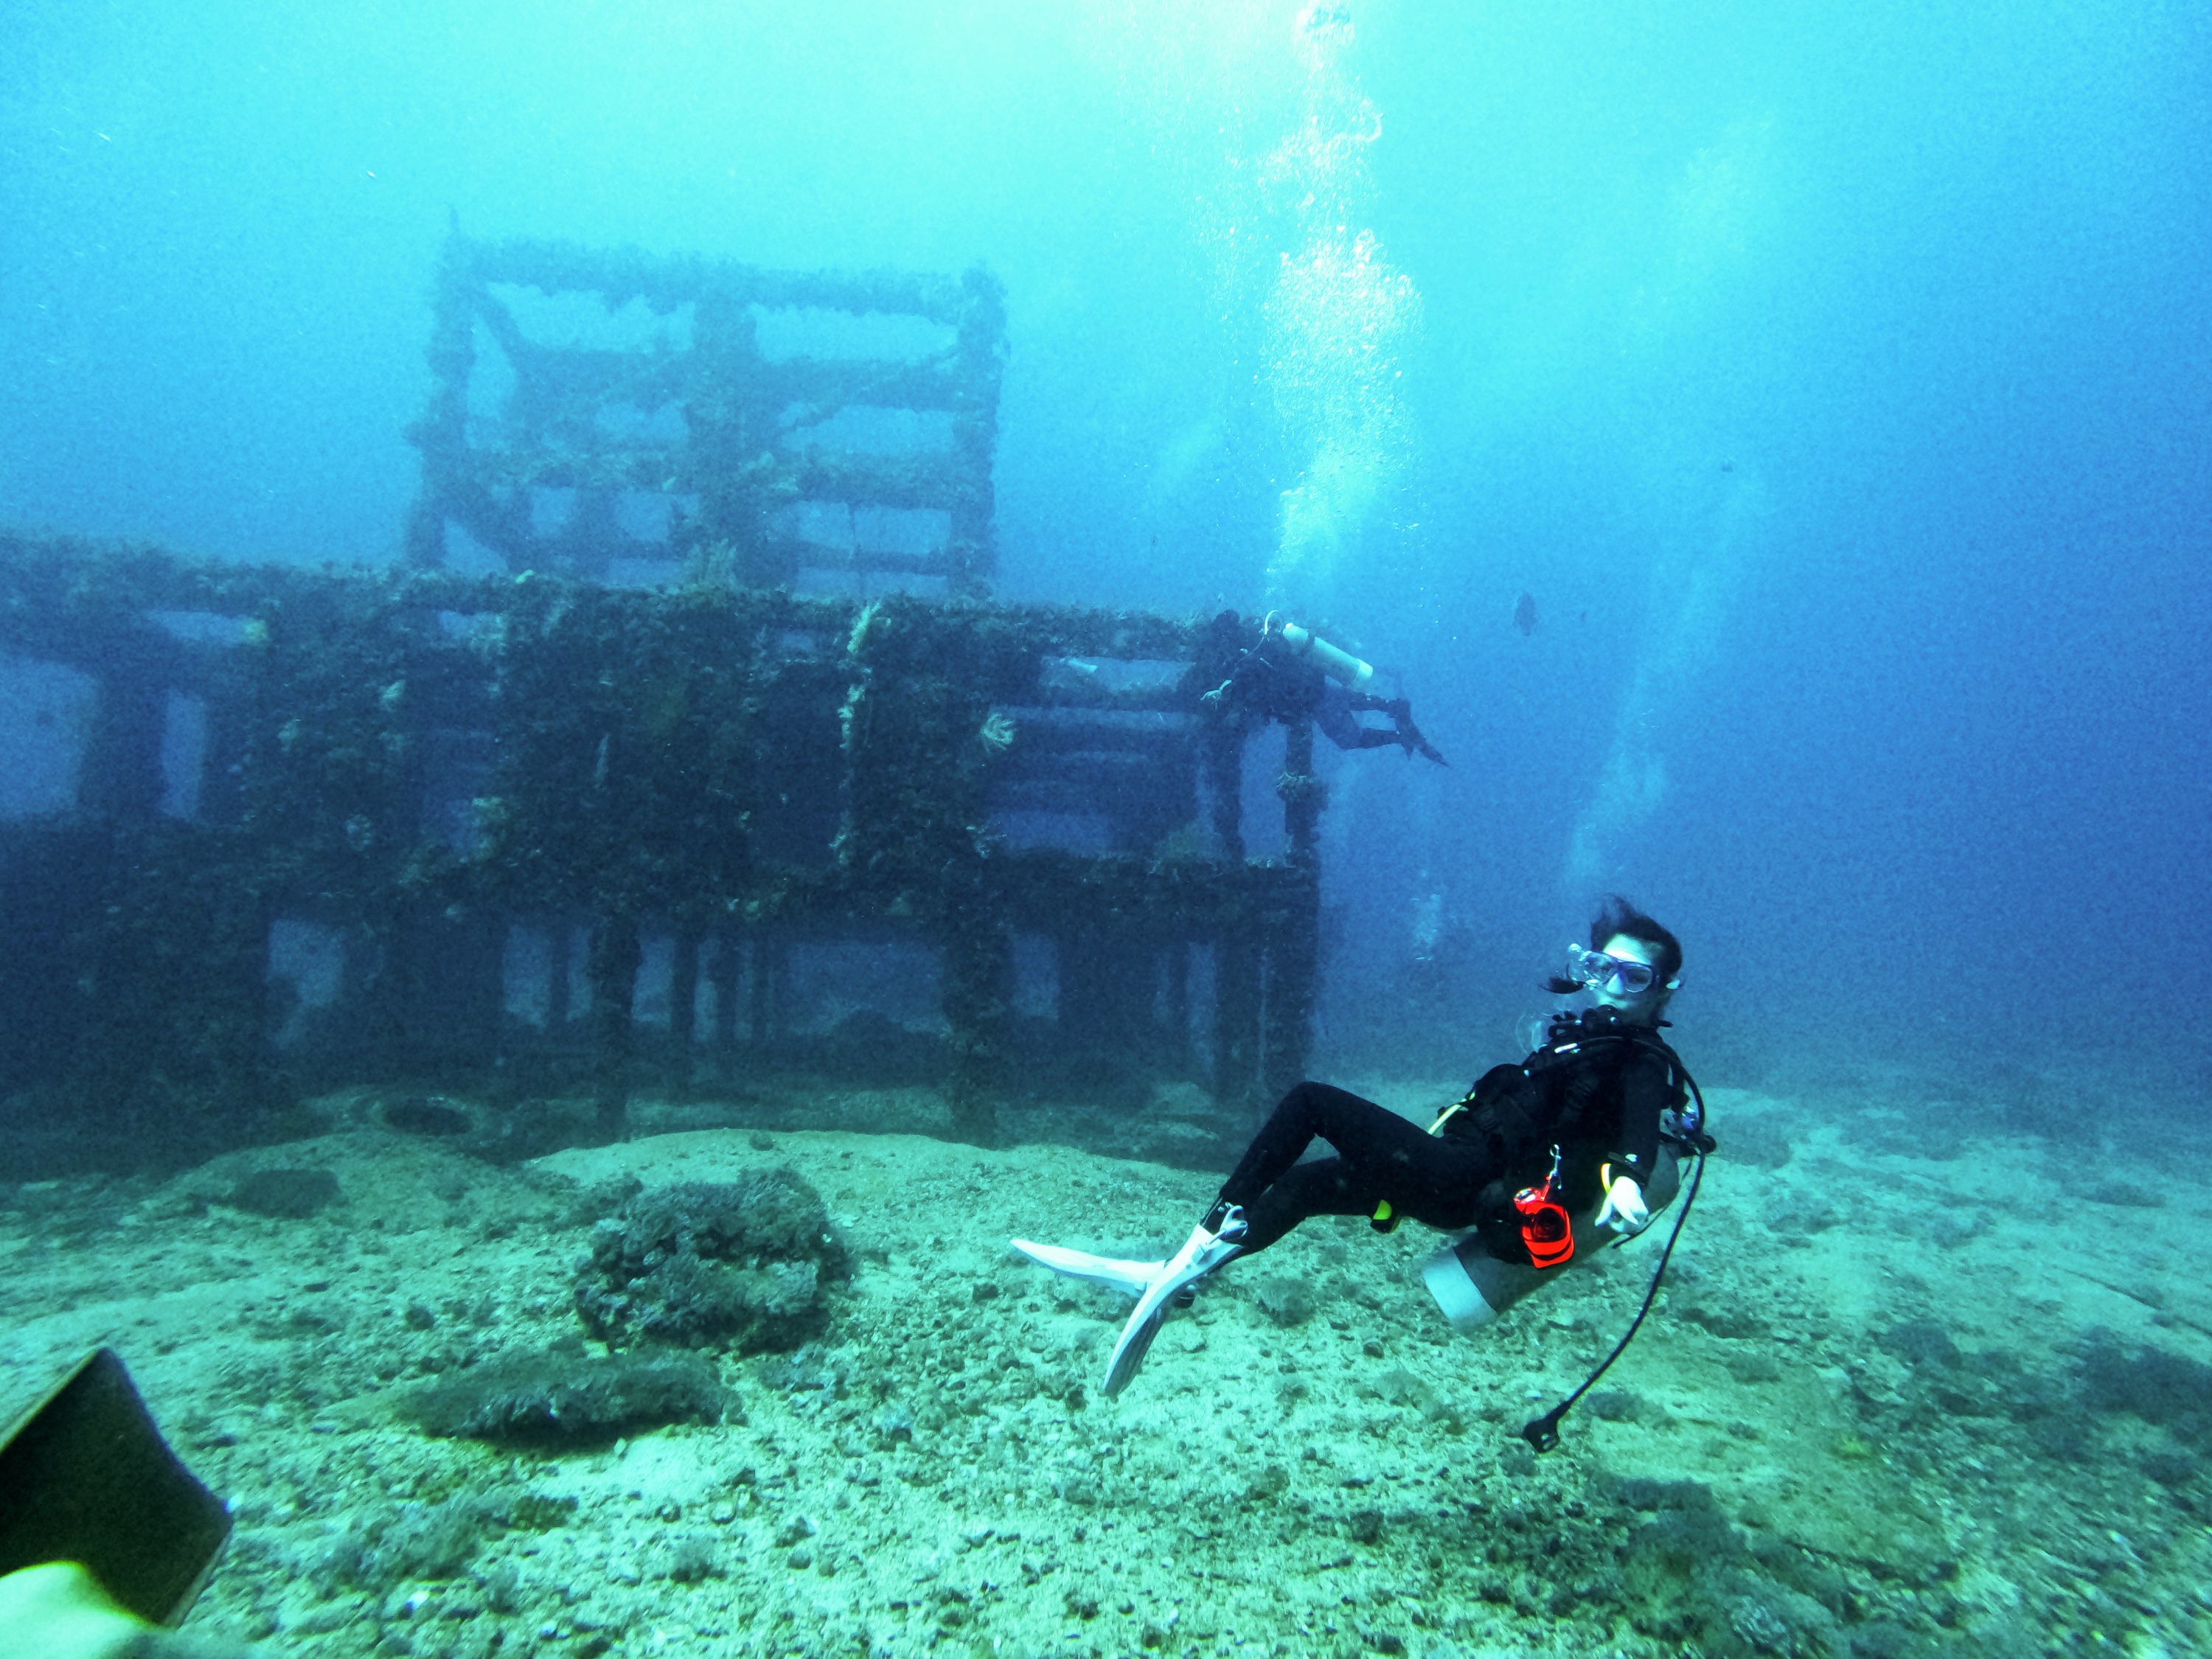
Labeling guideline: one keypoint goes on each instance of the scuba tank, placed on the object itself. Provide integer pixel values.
(1338, 665)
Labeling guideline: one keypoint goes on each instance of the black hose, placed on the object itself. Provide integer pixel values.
(1543, 1432)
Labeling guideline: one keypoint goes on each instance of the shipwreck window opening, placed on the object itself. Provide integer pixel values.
(574, 949)
(650, 1003)
(784, 333)
(527, 975)
(201, 627)
(796, 807)
(581, 320)
(1106, 681)
(827, 525)
(308, 959)
(1022, 829)
(634, 426)
(720, 1005)
(552, 508)
(849, 985)
(1265, 836)
(872, 429)
(645, 515)
(184, 753)
(491, 384)
(1175, 1013)
(465, 555)
(458, 769)
(46, 714)
(1035, 968)
(920, 531)
(1092, 781)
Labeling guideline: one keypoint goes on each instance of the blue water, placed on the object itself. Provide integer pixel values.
(1833, 378)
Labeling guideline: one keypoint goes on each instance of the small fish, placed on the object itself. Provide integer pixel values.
(1524, 613)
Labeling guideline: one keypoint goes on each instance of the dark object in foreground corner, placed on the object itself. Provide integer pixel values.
(86, 1477)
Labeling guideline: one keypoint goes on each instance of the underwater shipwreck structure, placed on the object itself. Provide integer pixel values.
(496, 821)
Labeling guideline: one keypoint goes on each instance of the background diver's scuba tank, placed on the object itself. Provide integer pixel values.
(1340, 665)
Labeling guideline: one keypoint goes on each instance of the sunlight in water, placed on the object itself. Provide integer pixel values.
(1273, 148)
(1339, 316)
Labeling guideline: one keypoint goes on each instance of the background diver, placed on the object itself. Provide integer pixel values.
(1562, 1144)
(1292, 675)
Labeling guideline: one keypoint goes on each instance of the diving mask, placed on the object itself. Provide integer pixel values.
(1621, 976)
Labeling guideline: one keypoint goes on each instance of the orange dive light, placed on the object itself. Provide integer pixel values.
(1547, 1229)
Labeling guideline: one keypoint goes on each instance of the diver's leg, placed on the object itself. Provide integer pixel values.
(1382, 1151)
(1286, 1134)
(1381, 1148)
(1220, 1236)
(1309, 1111)
(1337, 722)
(1323, 1187)
(1433, 1179)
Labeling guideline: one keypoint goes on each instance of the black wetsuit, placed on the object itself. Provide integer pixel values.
(1596, 1092)
(1272, 683)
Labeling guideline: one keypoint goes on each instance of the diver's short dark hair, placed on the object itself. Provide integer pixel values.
(1617, 916)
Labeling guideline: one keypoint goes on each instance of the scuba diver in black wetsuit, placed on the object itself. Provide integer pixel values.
(1564, 1144)
(1292, 675)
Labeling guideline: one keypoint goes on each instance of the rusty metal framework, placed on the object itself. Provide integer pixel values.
(618, 416)
(281, 827)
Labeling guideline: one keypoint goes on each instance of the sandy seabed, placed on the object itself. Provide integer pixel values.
(1889, 1404)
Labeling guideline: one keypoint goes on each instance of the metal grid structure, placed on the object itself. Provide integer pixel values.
(620, 417)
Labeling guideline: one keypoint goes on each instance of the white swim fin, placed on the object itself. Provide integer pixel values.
(1204, 1250)
(1130, 1278)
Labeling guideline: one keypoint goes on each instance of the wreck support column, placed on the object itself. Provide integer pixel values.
(770, 955)
(1236, 982)
(979, 966)
(722, 1040)
(1293, 929)
(684, 1006)
(1175, 1039)
(616, 952)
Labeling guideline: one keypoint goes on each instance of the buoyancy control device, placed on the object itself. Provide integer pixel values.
(1490, 1108)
